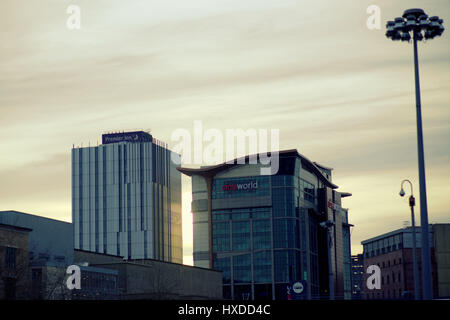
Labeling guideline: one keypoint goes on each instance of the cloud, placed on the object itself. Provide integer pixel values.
(341, 94)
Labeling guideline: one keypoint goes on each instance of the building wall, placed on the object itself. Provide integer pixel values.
(442, 254)
(200, 220)
(14, 246)
(126, 200)
(393, 253)
(152, 279)
(291, 249)
(358, 272)
(51, 241)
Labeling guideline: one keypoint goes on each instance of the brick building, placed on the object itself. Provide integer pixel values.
(14, 244)
(393, 253)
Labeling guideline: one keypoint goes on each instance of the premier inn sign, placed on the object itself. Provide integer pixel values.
(240, 186)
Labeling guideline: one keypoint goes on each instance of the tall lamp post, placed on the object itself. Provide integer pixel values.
(412, 203)
(416, 23)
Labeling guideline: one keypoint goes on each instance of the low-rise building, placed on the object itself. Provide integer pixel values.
(154, 279)
(42, 249)
(393, 253)
(14, 281)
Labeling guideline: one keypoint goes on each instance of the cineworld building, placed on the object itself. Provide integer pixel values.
(268, 233)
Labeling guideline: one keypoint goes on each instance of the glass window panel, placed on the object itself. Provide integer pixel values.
(261, 234)
(241, 268)
(260, 213)
(285, 233)
(262, 266)
(224, 265)
(221, 239)
(241, 235)
(240, 214)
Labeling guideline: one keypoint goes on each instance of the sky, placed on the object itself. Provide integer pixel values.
(340, 93)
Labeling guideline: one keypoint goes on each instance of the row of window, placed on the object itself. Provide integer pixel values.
(385, 280)
(10, 257)
(239, 239)
(236, 235)
(376, 252)
(93, 280)
(241, 214)
(387, 294)
(286, 267)
(384, 245)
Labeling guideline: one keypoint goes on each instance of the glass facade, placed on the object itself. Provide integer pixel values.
(126, 201)
(259, 249)
(270, 236)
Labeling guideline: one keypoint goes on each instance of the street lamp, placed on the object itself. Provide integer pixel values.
(412, 203)
(416, 23)
(329, 226)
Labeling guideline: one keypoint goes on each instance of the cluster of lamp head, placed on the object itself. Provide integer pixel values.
(416, 21)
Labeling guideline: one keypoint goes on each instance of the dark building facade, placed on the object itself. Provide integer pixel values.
(37, 252)
(393, 253)
(357, 276)
(145, 279)
(263, 231)
(14, 246)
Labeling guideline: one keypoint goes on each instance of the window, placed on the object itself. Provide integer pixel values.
(10, 257)
(241, 235)
(286, 233)
(260, 213)
(287, 265)
(241, 268)
(283, 202)
(261, 234)
(219, 215)
(224, 265)
(221, 238)
(262, 265)
(240, 214)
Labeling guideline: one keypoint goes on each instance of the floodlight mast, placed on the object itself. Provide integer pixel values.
(417, 23)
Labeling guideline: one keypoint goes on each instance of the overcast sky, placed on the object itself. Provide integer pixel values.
(343, 95)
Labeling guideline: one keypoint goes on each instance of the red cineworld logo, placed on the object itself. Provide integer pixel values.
(240, 186)
(330, 204)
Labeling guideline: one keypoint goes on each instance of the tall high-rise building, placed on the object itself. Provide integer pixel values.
(267, 233)
(126, 198)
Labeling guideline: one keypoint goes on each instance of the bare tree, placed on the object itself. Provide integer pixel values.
(166, 284)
